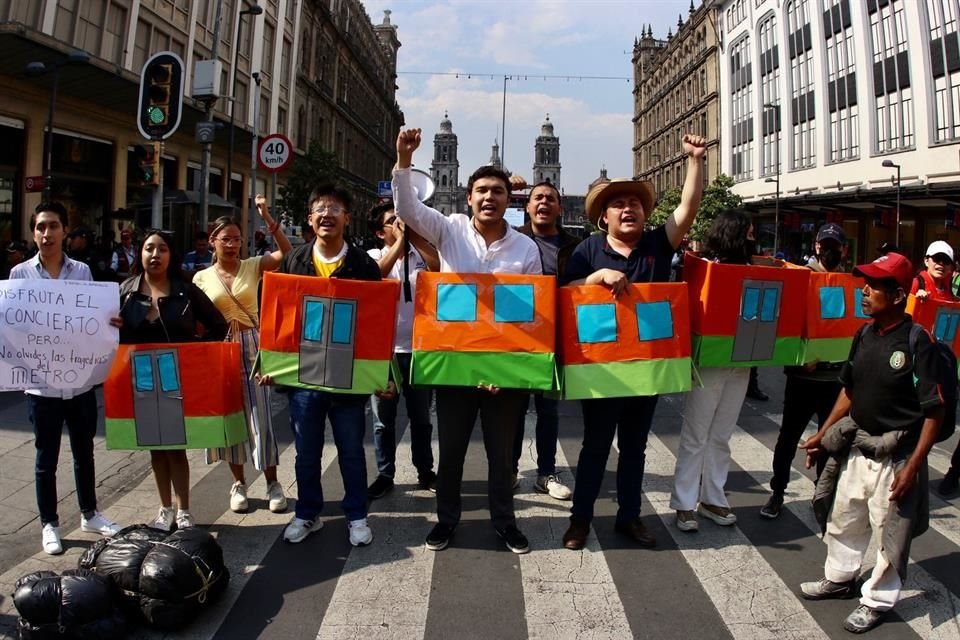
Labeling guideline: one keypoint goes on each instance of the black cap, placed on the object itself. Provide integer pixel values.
(831, 231)
(17, 245)
(887, 247)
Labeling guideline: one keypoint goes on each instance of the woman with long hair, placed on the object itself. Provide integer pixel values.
(710, 411)
(232, 284)
(158, 305)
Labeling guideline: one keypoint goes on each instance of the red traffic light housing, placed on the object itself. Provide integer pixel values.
(161, 96)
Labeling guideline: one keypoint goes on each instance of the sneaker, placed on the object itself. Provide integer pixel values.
(825, 590)
(238, 497)
(428, 481)
(772, 509)
(439, 537)
(687, 521)
(165, 518)
(380, 487)
(360, 533)
(99, 524)
(552, 486)
(949, 485)
(184, 519)
(576, 536)
(862, 619)
(721, 515)
(515, 541)
(278, 501)
(516, 482)
(635, 530)
(51, 539)
(298, 529)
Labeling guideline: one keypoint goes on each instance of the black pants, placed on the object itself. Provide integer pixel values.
(802, 399)
(457, 409)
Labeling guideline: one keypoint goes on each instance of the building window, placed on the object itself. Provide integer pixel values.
(802, 100)
(944, 68)
(741, 80)
(843, 136)
(769, 94)
(736, 13)
(892, 93)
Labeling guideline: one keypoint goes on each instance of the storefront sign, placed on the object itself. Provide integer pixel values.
(56, 334)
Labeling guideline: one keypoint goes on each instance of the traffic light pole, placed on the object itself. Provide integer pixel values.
(208, 117)
(156, 213)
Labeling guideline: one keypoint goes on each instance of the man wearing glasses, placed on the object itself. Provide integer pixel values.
(329, 256)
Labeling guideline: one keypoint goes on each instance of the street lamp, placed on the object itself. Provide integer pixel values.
(892, 165)
(35, 70)
(255, 10)
(776, 214)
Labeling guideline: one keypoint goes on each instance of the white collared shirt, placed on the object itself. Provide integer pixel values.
(461, 247)
(32, 269)
(403, 341)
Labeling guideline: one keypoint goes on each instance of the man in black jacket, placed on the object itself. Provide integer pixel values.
(330, 255)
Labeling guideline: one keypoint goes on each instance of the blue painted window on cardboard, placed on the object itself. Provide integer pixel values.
(596, 323)
(457, 303)
(832, 303)
(654, 320)
(858, 306)
(513, 303)
(342, 320)
(945, 327)
(313, 321)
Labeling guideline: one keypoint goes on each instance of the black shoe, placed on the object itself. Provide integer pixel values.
(428, 481)
(772, 509)
(949, 484)
(380, 487)
(576, 536)
(515, 541)
(439, 537)
(636, 532)
(754, 393)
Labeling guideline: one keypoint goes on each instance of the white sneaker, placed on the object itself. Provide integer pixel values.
(99, 524)
(552, 486)
(165, 518)
(298, 529)
(184, 519)
(360, 533)
(278, 501)
(51, 540)
(238, 497)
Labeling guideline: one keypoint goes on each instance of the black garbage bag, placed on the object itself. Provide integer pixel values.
(180, 576)
(120, 558)
(79, 604)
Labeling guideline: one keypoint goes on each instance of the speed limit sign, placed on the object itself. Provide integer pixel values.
(274, 153)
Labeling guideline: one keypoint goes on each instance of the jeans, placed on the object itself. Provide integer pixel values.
(308, 415)
(630, 419)
(548, 427)
(47, 416)
(457, 409)
(802, 399)
(385, 425)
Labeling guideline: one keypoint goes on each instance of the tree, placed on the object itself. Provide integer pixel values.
(314, 168)
(717, 197)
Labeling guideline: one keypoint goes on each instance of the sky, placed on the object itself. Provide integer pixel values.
(483, 40)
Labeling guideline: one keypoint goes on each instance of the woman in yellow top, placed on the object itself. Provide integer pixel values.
(232, 285)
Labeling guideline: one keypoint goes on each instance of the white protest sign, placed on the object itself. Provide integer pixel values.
(56, 334)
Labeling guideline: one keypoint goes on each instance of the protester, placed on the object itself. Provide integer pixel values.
(810, 389)
(936, 281)
(200, 258)
(393, 259)
(232, 284)
(711, 409)
(484, 243)
(158, 305)
(261, 246)
(307, 233)
(125, 256)
(625, 253)
(556, 246)
(882, 427)
(15, 254)
(329, 256)
(49, 409)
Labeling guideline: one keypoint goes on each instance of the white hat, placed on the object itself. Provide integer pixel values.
(939, 246)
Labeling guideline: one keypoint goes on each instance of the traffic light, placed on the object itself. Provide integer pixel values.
(161, 96)
(148, 164)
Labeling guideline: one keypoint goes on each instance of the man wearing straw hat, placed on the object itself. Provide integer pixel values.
(625, 253)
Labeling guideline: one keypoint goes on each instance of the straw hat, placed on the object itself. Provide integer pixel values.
(602, 193)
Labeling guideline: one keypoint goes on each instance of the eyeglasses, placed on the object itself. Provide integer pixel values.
(389, 221)
(231, 240)
(329, 209)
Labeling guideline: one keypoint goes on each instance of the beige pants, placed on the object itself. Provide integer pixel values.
(860, 509)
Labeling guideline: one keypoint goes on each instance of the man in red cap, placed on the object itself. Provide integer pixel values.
(877, 437)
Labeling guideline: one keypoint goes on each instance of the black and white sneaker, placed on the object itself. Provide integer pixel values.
(515, 541)
(771, 510)
(439, 537)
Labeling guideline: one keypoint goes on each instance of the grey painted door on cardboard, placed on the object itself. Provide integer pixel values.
(756, 335)
(327, 342)
(158, 398)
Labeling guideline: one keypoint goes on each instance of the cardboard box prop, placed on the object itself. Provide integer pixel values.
(939, 317)
(473, 328)
(745, 315)
(834, 315)
(637, 344)
(327, 334)
(175, 396)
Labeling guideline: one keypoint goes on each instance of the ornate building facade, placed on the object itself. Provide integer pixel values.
(445, 169)
(546, 156)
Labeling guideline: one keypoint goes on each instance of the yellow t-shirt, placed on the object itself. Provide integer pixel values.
(324, 267)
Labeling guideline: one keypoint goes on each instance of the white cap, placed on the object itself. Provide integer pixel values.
(939, 246)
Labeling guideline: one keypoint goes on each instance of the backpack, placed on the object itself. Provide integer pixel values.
(949, 382)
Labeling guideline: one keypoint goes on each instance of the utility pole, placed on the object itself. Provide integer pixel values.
(254, 160)
(208, 117)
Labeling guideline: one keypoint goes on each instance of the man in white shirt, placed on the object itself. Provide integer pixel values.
(420, 256)
(483, 243)
(50, 408)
